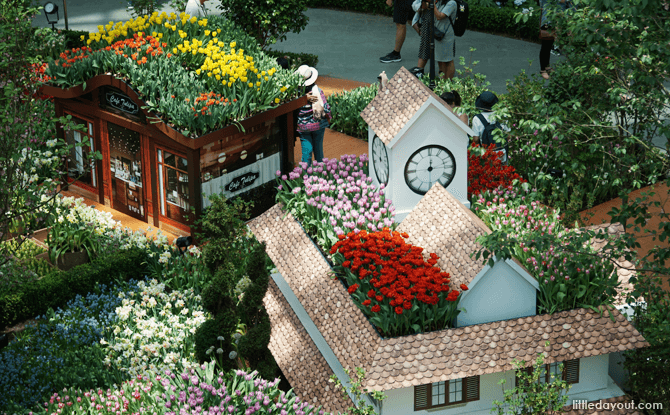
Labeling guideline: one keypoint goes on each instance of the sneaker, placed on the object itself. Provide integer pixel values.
(556, 51)
(391, 57)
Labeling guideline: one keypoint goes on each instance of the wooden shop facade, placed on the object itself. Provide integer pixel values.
(151, 171)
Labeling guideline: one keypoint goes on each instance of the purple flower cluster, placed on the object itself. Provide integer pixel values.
(337, 195)
(194, 392)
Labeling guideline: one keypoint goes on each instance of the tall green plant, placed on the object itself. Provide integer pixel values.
(267, 20)
(531, 396)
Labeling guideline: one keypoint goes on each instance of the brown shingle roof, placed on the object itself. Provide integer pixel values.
(430, 357)
(343, 325)
(298, 357)
(619, 400)
(442, 225)
(491, 347)
(396, 104)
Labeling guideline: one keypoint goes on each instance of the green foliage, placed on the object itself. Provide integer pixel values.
(259, 199)
(231, 257)
(268, 21)
(346, 108)
(502, 21)
(295, 59)
(143, 7)
(484, 16)
(571, 272)
(213, 340)
(76, 236)
(361, 406)
(57, 287)
(532, 396)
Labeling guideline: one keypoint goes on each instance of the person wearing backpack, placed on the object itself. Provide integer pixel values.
(445, 48)
(484, 124)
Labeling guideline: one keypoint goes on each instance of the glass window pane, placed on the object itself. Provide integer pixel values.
(554, 372)
(161, 187)
(90, 130)
(543, 374)
(438, 393)
(160, 156)
(183, 163)
(456, 390)
(170, 159)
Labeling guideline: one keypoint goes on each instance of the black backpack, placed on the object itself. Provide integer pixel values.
(486, 138)
(461, 22)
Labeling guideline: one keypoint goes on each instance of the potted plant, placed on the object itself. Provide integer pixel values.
(71, 242)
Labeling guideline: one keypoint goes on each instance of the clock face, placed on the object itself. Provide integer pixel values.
(381, 160)
(428, 165)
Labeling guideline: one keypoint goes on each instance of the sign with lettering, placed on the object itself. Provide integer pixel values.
(122, 102)
(240, 182)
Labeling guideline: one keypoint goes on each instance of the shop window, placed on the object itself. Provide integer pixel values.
(173, 185)
(79, 166)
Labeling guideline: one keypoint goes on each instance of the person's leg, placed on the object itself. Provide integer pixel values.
(400, 34)
(545, 55)
(317, 143)
(422, 63)
(306, 146)
(448, 69)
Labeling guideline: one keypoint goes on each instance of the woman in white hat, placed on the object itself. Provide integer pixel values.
(312, 118)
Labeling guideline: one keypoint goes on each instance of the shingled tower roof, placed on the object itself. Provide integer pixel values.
(396, 104)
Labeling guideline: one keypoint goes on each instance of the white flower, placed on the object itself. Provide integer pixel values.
(219, 351)
(232, 355)
(220, 338)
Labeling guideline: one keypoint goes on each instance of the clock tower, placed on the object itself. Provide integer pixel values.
(414, 141)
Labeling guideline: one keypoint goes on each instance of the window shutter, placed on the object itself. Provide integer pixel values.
(472, 388)
(571, 370)
(421, 397)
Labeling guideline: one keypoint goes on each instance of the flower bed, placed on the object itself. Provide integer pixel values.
(352, 222)
(569, 271)
(487, 172)
(399, 291)
(334, 197)
(198, 74)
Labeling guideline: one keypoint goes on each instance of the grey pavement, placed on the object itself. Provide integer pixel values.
(348, 44)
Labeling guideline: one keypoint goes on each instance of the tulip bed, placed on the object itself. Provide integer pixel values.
(198, 75)
(352, 223)
(570, 272)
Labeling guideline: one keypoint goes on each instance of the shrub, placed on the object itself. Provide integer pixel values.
(346, 108)
(57, 288)
(268, 21)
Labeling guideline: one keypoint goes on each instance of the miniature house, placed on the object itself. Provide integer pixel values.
(414, 141)
(155, 173)
(318, 331)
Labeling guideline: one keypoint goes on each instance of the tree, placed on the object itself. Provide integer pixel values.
(31, 156)
(268, 21)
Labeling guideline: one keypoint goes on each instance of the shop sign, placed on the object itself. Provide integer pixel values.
(122, 103)
(240, 182)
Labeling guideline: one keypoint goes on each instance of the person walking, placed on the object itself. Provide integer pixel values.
(196, 8)
(485, 123)
(547, 35)
(402, 13)
(312, 118)
(445, 49)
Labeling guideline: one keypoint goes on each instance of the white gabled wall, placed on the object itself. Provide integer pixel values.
(593, 384)
(500, 293)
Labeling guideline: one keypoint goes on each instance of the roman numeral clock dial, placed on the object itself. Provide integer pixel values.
(381, 160)
(428, 165)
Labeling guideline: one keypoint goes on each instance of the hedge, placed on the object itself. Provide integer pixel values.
(58, 287)
(494, 20)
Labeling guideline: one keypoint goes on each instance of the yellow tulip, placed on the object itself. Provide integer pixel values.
(276, 100)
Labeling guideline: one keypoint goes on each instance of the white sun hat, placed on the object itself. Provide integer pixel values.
(310, 74)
